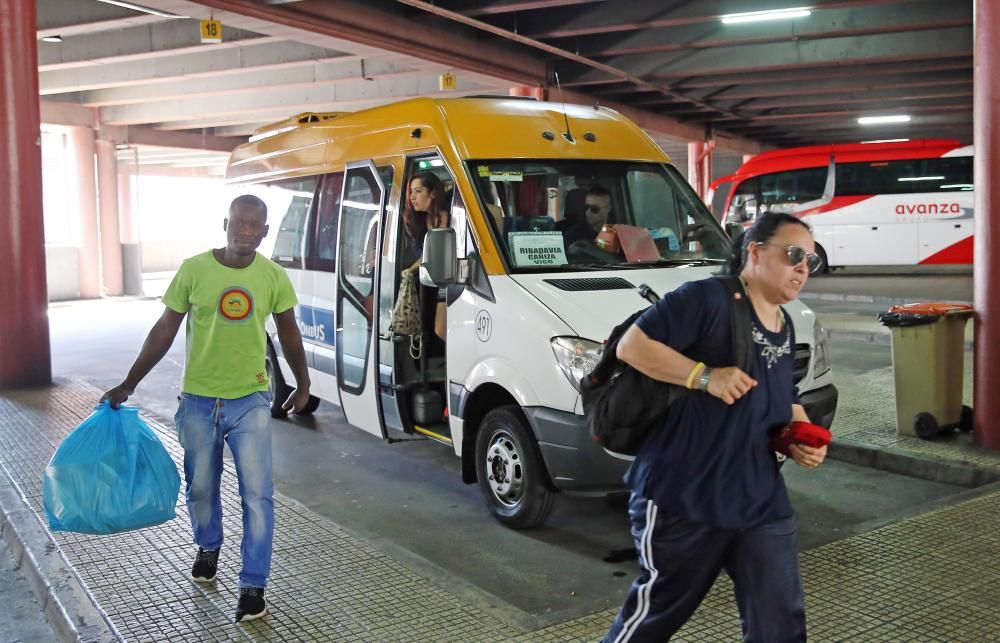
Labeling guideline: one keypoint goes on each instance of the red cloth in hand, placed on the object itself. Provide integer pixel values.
(807, 433)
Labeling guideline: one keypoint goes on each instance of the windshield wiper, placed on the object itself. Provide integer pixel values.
(700, 261)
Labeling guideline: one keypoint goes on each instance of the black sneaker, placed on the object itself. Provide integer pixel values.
(203, 570)
(252, 604)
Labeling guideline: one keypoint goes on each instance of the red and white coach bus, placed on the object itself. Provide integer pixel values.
(891, 203)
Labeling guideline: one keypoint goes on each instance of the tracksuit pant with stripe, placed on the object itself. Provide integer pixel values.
(680, 561)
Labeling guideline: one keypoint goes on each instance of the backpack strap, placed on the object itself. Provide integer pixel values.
(741, 323)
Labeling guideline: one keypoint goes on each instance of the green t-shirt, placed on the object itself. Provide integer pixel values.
(226, 310)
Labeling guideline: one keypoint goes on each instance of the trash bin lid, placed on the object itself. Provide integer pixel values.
(932, 308)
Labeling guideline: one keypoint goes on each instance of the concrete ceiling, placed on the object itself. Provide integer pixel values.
(147, 80)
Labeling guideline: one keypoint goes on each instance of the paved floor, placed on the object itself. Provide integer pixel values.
(929, 578)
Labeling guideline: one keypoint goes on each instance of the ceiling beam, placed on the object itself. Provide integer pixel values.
(841, 23)
(849, 51)
(500, 7)
(638, 15)
(270, 54)
(333, 96)
(171, 38)
(256, 79)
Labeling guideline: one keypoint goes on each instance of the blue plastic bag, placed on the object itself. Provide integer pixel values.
(110, 474)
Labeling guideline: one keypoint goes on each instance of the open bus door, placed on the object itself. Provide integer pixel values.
(361, 216)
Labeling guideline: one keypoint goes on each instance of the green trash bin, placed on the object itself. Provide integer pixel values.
(928, 355)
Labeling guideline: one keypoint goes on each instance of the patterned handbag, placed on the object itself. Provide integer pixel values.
(406, 311)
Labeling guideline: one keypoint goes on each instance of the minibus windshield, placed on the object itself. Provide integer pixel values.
(555, 215)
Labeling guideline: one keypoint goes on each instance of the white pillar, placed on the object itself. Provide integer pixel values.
(107, 192)
(83, 199)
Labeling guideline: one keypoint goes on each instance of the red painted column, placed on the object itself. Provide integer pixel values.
(695, 168)
(986, 273)
(24, 325)
(700, 167)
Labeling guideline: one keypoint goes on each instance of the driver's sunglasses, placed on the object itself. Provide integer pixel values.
(797, 255)
(591, 207)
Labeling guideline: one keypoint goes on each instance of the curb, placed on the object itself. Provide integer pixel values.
(907, 463)
(68, 605)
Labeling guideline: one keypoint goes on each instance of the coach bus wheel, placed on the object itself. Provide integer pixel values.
(510, 469)
(824, 265)
(276, 384)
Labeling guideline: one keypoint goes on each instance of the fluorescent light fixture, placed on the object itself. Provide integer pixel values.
(52, 39)
(920, 178)
(886, 140)
(879, 120)
(957, 186)
(758, 16)
(136, 7)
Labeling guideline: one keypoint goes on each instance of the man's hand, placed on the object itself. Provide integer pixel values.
(806, 456)
(117, 395)
(729, 384)
(297, 400)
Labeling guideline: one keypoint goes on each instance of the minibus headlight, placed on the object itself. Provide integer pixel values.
(821, 353)
(576, 357)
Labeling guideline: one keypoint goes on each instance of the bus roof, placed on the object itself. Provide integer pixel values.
(796, 158)
(466, 128)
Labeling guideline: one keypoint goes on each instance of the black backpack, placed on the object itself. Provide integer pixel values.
(623, 406)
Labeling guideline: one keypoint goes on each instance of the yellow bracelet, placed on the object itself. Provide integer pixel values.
(693, 375)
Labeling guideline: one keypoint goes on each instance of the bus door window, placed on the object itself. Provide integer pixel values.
(743, 207)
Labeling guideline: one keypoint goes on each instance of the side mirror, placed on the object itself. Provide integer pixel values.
(734, 229)
(439, 264)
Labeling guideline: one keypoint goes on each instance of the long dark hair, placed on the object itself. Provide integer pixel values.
(763, 229)
(415, 222)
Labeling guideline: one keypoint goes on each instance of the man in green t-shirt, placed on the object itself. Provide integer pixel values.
(226, 295)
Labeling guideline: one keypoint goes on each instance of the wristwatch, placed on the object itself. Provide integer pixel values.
(703, 379)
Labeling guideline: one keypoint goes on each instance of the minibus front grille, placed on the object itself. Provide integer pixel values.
(595, 283)
(801, 365)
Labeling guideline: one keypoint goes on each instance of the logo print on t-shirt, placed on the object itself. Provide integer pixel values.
(236, 304)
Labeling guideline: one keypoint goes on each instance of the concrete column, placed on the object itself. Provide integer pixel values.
(986, 264)
(24, 324)
(83, 185)
(129, 231)
(107, 196)
(538, 93)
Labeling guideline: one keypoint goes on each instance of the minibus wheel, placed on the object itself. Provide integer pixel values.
(511, 471)
(276, 384)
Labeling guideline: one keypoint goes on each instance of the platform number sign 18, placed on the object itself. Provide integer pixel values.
(484, 326)
(211, 31)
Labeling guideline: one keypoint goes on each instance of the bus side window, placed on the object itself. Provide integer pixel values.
(323, 249)
(289, 242)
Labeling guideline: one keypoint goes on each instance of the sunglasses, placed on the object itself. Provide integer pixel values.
(797, 255)
(593, 208)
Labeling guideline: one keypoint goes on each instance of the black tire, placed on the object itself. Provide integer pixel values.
(511, 471)
(824, 266)
(276, 384)
(925, 426)
(966, 420)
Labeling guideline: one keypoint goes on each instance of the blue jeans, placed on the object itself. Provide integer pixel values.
(680, 561)
(202, 425)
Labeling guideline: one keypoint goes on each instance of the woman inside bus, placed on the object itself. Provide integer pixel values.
(426, 208)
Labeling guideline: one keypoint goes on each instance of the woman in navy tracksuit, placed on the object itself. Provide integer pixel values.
(707, 492)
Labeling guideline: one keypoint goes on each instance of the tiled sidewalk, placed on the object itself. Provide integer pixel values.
(931, 578)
